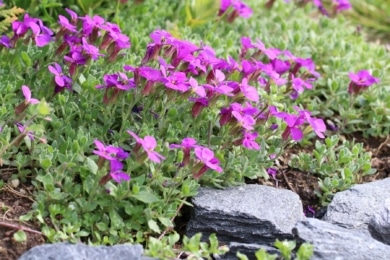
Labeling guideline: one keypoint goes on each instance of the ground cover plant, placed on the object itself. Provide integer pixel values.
(115, 128)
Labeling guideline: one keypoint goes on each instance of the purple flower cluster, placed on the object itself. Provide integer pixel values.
(29, 28)
(79, 40)
(195, 74)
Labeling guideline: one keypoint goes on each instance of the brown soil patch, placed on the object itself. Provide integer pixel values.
(15, 202)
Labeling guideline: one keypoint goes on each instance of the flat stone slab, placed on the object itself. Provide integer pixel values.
(67, 251)
(334, 242)
(354, 207)
(379, 226)
(252, 214)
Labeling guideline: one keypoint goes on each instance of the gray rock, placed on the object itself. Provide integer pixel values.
(67, 251)
(248, 250)
(354, 208)
(334, 242)
(252, 214)
(379, 225)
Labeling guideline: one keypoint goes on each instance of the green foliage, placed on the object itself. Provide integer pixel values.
(373, 17)
(288, 250)
(7, 16)
(338, 165)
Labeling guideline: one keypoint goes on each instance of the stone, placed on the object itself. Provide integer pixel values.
(334, 242)
(353, 208)
(68, 251)
(379, 226)
(251, 214)
(248, 250)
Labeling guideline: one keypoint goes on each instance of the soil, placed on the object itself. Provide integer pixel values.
(15, 202)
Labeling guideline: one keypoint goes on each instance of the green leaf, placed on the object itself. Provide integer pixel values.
(201, 11)
(20, 236)
(92, 166)
(305, 251)
(146, 197)
(43, 108)
(153, 226)
(165, 221)
(46, 163)
(26, 58)
(26, 217)
(242, 256)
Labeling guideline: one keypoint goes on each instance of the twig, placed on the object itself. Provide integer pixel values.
(20, 227)
(172, 219)
(10, 189)
(287, 182)
(377, 151)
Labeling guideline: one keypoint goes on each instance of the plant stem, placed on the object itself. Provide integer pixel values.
(19, 227)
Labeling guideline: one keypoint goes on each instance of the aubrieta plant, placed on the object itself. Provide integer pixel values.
(337, 165)
(117, 148)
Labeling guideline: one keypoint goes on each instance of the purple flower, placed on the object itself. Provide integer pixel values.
(148, 143)
(20, 28)
(109, 152)
(245, 121)
(176, 81)
(90, 50)
(22, 129)
(293, 123)
(249, 141)
(41, 34)
(199, 104)
(317, 124)
(299, 85)
(342, 5)
(27, 96)
(239, 7)
(27, 100)
(361, 80)
(272, 172)
(5, 41)
(206, 156)
(65, 24)
(249, 91)
(60, 79)
(91, 24)
(199, 90)
(186, 144)
(73, 16)
(116, 172)
(207, 160)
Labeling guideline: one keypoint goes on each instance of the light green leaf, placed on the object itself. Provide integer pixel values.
(146, 197)
(20, 236)
(153, 226)
(201, 11)
(92, 166)
(43, 108)
(165, 221)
